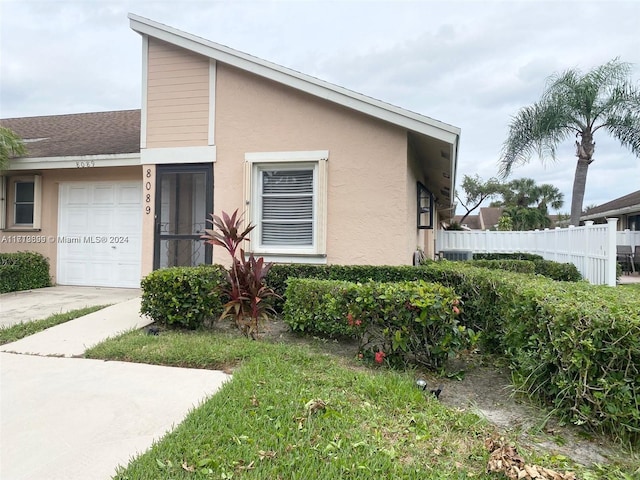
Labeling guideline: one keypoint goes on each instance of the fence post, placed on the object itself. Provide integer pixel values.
(611, 251)
(586, 259)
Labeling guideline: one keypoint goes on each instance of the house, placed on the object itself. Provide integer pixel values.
(486, 219)
(326, 174)
(625, 208)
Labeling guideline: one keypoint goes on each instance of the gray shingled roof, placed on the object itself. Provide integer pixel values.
(98, 133)
(630, 200)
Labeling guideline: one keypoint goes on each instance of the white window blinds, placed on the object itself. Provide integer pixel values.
(287, 207)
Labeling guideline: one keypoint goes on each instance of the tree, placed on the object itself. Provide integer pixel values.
(576, 104)
(11, 145)
(476, 191)
(527, 203)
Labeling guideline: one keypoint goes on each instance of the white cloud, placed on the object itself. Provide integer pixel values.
(468, 63)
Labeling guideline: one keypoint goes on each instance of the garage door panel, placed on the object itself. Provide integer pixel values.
(104, 221)
(104, 195)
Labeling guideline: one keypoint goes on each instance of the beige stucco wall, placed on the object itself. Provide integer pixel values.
(367, 168)
(177, 97)
(49, 226)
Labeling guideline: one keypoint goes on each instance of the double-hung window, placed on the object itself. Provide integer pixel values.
(20, 202)
(286, 199)
(24, 203)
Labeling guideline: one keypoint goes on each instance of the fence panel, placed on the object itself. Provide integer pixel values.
(591, 248)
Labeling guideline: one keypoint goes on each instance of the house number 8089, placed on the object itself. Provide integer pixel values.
(147, 197)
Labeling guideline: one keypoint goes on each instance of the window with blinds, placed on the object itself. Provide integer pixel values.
(287, 207)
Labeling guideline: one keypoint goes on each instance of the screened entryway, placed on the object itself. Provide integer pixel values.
(184, 201)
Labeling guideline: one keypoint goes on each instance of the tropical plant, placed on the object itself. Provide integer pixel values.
(576, 104)
(11, 145)
(526, 203)
(249, 296)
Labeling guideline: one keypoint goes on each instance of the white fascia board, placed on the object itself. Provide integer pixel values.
(79, 161)
(311, 85)
(612, 213)
(156, 156)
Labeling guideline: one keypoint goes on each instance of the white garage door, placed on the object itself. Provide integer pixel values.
(99, 234)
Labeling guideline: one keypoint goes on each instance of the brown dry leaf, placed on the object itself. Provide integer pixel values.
(505, 459)
(187, 467)
(247, 467)
(254, 401)
(315, 405)
(266, 454)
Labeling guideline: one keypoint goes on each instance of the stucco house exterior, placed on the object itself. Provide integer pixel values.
(326, 174)
(626, 209)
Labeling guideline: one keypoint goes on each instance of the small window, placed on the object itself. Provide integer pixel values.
(286, 196)
(287, 199)
(24, 203)
(424, 207)
(20, 202)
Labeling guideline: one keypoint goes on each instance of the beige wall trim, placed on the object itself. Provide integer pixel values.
(156, 156)
(145, 82)
(279, 157)
(212, 102)
(83, 161)
(297, 80)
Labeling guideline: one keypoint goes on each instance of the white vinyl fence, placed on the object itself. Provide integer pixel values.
(591, 248)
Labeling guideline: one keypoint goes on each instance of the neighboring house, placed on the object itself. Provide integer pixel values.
(486, 219)
(626, 209)
(326, 174)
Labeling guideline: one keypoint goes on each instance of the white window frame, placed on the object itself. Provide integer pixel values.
(8, 202)
(255, 164)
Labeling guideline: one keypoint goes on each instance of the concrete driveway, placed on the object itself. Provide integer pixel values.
(75, 418)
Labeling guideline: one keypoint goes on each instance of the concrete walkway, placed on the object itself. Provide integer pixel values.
(75, 418)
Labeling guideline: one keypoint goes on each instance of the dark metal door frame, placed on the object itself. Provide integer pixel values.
(161, 170)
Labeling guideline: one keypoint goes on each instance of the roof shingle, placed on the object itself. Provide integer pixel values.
(97, 133)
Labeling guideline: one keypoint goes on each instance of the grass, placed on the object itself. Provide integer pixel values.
(297, 412)
(15, 332)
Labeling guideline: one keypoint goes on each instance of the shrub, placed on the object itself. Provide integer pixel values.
(567, 272)
(574, 346)
(23, 271)
(507, 256)
(563, 272)
(400, 322)
(183, 296)
(518, 266)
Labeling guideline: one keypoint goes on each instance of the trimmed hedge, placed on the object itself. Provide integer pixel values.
(23, 271)
(517, 266)
(574, 346)
(400, 322)
(565, 272)
(183, 296)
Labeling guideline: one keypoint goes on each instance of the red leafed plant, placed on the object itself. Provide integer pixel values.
(247, 290)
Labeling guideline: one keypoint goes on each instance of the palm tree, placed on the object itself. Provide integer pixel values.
(576, 104)
(11, 145)
(527, 203)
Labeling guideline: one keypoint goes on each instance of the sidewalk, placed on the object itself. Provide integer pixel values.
(78, 419)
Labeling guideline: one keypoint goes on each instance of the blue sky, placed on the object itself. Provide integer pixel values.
(471, 64)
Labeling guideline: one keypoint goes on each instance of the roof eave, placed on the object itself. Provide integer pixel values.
(319, 88)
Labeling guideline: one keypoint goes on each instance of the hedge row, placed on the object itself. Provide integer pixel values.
(398, 322)
(23, 271)
(574, 346)
(565, 272)
(183, 296)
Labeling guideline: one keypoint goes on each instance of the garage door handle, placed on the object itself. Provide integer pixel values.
(113, 246)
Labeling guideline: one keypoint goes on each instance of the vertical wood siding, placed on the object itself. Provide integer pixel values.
(177, 97)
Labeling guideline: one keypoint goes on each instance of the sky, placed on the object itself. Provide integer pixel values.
(472, 64)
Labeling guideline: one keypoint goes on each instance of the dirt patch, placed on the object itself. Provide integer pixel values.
(486, 390)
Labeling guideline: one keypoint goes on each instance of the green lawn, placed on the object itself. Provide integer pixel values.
(298, 412)
(24, 329)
